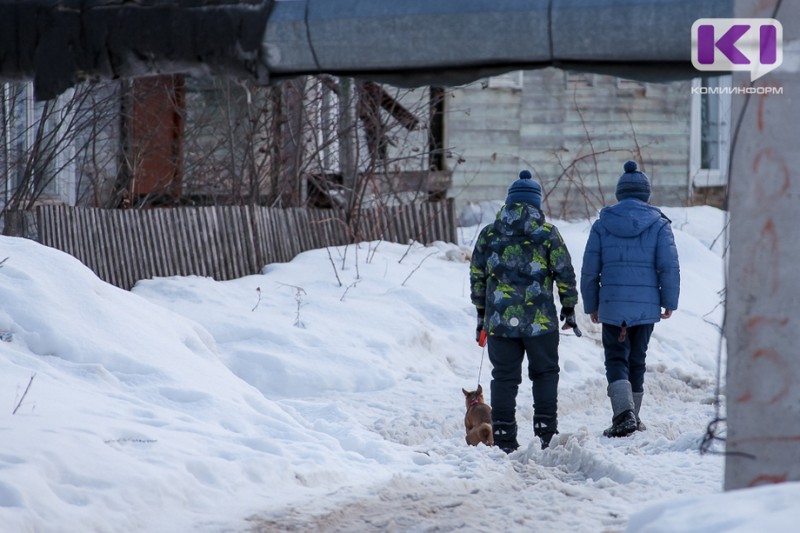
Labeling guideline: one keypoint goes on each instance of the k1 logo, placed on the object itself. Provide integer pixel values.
(737, 44)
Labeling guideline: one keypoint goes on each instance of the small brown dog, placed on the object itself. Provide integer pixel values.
(478, 419)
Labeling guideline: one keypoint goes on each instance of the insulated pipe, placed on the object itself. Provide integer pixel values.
(59, 43)
(420, 41)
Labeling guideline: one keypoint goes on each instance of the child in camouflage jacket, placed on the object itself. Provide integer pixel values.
(514, 264)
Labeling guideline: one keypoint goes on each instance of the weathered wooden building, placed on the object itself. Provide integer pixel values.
(575, 130)
(175, 141)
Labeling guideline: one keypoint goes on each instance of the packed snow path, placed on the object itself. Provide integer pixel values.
(286, 401)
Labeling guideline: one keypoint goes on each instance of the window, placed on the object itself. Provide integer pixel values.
(579, 80)
(710, 132)
(510, 80)
(14, 118)
(35, 157)
(631, 87)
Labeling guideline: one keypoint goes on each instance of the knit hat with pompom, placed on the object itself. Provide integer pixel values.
(633, 183)
(525, 190)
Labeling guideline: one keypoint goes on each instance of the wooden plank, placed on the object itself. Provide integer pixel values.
(118, 253)
(302, 238)
(261, 235)
(413, 223)
(195, 247)
(286, 235)
(63, 225)
(217, 226)
(239, 251)
(290, 235)
(417, 224)
(397, 224)
(131, 257)
(172, 265)
(327, 223)
(227, 237)
(451, 220)
(68, 244)
(159, 254)
(149, 248)
(314, 240)
(207, 234)
(141, 245)
(233, 230)
(271, 247)
(76, 242)
(305, 233)
(257, 249)
(87, 252)
(179, 223)
(249, 241)
(204, 244)
(339, 227)
(426, 217)
(60, 227)
(46, 226)
(99, 236)
(366, 230)
(400, 225)
(276, 232)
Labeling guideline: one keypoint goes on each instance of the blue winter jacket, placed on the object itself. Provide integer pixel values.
(630, 265)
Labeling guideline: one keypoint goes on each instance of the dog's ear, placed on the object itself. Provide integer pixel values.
(480, 389)
(465, 392)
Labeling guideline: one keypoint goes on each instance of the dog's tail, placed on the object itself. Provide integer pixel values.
(486, 434)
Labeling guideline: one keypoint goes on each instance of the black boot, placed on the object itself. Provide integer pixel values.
(505, 435)
(623, 422)
(544, 427)
(622, 425)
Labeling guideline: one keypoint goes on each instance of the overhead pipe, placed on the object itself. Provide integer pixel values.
(58, 43)
(420, 42)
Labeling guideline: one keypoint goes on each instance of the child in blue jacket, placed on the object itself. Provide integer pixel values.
(630, 273)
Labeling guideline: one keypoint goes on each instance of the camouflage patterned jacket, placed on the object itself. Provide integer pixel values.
(513, 266)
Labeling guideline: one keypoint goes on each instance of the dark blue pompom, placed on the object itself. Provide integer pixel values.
(526, 174)
(630, 166)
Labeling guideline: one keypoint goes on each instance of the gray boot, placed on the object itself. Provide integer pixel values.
(623, 422)
(637, 404)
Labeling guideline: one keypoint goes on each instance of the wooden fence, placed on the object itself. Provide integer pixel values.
(124, 246)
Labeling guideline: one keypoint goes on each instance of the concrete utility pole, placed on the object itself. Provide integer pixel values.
(763, 306)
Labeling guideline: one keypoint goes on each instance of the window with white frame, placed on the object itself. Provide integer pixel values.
(709, 147)
(36, 152)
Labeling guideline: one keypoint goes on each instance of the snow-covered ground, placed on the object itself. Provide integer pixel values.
(288, 401)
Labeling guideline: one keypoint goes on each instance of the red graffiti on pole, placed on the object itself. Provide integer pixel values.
(767, 479)
(755, 328)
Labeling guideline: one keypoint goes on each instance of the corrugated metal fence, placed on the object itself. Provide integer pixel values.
(223, 242)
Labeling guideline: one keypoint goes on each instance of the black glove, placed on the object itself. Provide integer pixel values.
(479, 328)
(568, 316)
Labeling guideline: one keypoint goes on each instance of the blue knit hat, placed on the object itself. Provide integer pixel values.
(633, 184)
(525, 190)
